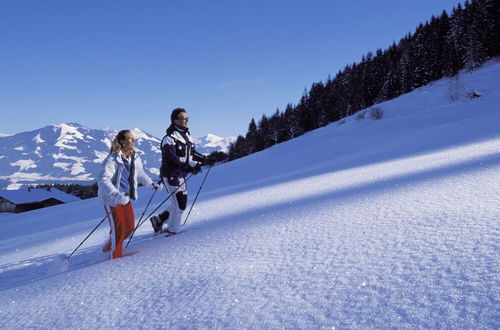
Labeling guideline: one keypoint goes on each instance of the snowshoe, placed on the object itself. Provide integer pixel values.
(169, 233)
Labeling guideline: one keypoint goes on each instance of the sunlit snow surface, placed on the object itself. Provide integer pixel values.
(370, 224)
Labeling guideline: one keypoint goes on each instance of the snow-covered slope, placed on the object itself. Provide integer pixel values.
(369, 224)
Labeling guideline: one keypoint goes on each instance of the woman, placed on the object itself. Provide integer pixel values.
(117, 185)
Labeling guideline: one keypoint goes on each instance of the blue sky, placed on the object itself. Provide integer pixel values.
(125, 64)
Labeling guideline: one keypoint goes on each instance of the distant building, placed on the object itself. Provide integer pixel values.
(27, 199)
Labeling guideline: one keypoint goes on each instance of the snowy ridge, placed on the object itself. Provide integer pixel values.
(212, 142)
(68, 153)
(369, 224)
(72, 153)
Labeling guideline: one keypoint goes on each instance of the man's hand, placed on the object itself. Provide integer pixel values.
(193, 169)
(196, 169)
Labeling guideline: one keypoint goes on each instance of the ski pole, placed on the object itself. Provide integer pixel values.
(173, 192)
(152, 212)
(140, 219)
(95, 228)
(196, 197)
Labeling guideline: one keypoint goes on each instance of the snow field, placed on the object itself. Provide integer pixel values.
(368, 225)
(362, 254)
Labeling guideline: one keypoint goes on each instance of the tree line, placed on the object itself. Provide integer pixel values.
(439, 48)
(78, 190)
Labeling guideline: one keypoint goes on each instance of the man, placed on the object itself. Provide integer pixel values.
(178, 151)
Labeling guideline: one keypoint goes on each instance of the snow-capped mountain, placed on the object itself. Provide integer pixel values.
(65, 153)
(211, 143)
(74, 153)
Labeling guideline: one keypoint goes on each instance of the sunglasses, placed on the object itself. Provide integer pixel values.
(182, 118)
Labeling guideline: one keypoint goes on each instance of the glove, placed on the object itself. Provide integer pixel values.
(122, 199)
(192, 169)
(196, 169)
(156, 185)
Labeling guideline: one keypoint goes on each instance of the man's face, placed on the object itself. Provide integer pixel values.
(182, 120)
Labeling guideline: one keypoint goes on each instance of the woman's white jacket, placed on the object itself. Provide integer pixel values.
(109, 179)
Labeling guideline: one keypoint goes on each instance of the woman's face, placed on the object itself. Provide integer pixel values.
(128, 143)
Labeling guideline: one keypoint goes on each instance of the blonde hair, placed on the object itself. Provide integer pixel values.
(117, 144)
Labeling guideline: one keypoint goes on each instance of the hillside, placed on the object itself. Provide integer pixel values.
(389, 223)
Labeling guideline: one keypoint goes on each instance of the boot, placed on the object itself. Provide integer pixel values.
(107, 246)
(156, 223)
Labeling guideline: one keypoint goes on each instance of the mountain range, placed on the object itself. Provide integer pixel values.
(72, 153)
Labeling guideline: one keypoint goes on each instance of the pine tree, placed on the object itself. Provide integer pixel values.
(330, 102)
(457, 38)
(237, 149)
(304, 115)
(448, 62)
(316, 108)
(275, 123)
(490, 12)
(251, 138)
(407, 66)
(288, 119)
(264, 134)
(391, 83)
(476, 29)
(372, 72)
